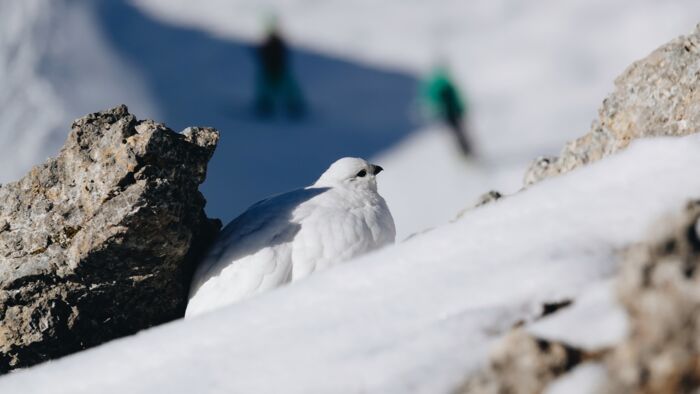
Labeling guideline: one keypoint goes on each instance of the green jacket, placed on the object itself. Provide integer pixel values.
(442, 97)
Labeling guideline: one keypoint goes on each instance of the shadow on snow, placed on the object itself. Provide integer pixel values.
(196, 79)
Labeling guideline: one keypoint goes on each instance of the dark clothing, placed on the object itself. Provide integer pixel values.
(272, 55)
(275, 79)
(452, 110)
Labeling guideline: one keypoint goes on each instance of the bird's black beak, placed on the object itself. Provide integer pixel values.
(376, 169)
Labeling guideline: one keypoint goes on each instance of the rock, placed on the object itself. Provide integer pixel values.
(542, 167)
(488, 197)
(101, 241)
(484, 199)
(551, 307)
(659, 286)
(656, 96)
(524, 364)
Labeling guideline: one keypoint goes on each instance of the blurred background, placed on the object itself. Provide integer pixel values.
(452, 98)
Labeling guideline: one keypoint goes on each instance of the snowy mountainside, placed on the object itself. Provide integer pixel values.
(30, 111)
(415, 317)
(54, 67)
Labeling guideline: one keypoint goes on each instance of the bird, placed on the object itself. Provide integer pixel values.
(291, 235)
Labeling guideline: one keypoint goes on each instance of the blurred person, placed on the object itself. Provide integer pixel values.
(444, 101)
(275, 80)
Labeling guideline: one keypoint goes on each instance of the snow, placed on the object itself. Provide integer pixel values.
(23, 95)
(427, 166)
(595, 320)
(54, 67)
(414, 317)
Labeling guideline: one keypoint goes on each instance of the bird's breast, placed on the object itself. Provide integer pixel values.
(331, 236)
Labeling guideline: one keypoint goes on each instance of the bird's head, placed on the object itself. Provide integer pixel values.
(352, 173)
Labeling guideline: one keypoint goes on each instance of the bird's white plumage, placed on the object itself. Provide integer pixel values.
(291, 235)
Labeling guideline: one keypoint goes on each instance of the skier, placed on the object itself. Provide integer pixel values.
(444, 101)
(275, 78)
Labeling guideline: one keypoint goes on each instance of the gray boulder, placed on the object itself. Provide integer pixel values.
(101, 241)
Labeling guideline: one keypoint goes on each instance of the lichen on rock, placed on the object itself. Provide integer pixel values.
(100, 242)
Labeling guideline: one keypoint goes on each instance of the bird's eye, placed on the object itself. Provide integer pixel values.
(362, 173)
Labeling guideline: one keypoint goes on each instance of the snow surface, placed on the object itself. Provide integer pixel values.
(29, 108)
(415, 317)
(428, 181)
(54, 67)
(595, 321)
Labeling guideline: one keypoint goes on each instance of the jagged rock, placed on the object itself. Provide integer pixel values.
(100, 242)
(488, 197)
(656, 96)
(484, 199)
(524, 364)
(543, 167)
(659, 285)
(549, 308)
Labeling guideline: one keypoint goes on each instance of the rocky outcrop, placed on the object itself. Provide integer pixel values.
(485, 199)
(100, 242)
(656, 96)
(488, 198)
(524, 364)
(659, 280)
(659, 286)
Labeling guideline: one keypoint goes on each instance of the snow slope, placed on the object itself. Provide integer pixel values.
(29, 108)
(415, 317)
(428, 181)
(54, 67)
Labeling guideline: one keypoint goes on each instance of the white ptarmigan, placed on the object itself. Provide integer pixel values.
(289, 236)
